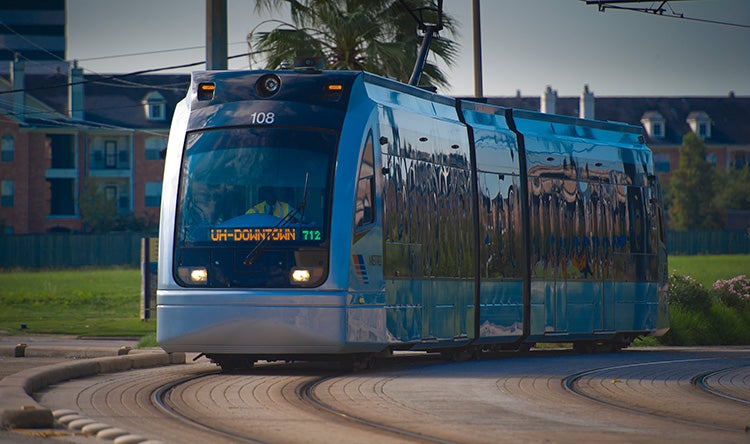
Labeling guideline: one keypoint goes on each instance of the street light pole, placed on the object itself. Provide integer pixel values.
(477, 49)
(216, 34)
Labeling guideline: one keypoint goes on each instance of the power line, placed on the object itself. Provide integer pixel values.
(132, 84)
(117, 76)
(58, 119)
(31, 42)
(159, 51)
(658, 10)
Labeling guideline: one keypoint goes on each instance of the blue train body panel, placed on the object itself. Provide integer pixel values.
(310, 213)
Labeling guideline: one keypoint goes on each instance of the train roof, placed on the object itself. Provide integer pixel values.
(233, 86)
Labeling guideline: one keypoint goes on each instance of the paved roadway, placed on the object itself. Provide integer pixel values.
(640, 395)
(48, 350)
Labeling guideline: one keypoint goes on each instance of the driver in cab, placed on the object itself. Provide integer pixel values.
(269, 204)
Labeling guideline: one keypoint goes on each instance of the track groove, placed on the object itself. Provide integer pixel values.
(522, 399)
(599, 385)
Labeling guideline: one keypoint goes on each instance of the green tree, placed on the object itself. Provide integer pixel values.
(734, 190)
(97, 211)
(692, 189)
(378, 36)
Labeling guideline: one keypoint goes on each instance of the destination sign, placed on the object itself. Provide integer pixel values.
(263, 234)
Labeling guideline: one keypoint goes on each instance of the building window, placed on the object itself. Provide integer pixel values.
(661, 163)
(658, 129)
(8, 193)
(654, 124)
(154, 147)
(110, 192)
(711, 158)
(702, 130)
(153, 194)
(155, 106)
(157, 111)
(8, 148)
(122, 157)
(740, 159)
(110, 154)
(700, 124)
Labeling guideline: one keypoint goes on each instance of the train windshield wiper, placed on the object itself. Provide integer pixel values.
(298, 210)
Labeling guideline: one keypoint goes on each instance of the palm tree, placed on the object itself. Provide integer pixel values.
(378, 36)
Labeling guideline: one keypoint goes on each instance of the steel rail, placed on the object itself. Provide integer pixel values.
(570, 384)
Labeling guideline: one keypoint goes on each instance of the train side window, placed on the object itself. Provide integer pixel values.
(363, 213)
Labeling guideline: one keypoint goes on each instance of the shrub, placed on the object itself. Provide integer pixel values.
(734, 293)
(688, 327)
(687, 293)
(728, 325)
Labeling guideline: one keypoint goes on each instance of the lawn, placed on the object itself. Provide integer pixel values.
(707, 269)
(106, 302)
(87, 302)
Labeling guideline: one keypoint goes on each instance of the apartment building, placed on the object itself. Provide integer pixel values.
(63, 131)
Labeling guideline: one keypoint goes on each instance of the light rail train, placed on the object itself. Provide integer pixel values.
(328, 214)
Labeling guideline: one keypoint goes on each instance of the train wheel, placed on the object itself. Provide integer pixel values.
(357, 363)
(525, 347)
(234, 363)
(584, 348)
(460, 354)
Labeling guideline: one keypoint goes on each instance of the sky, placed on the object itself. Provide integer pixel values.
(527, 45)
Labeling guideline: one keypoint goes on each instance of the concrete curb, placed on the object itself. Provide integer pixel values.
(31, 351)
(18, 409)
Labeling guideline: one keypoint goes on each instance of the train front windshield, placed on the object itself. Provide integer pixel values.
(253, 208)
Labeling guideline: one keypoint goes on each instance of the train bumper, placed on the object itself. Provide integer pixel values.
(259, 324)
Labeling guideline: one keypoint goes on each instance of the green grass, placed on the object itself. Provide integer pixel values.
(106, 302)
(86, 302)
(707, 269)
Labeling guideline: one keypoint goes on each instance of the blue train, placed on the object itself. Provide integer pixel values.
(329, 214)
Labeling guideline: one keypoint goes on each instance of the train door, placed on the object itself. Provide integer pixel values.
(658, 267)
(608, 214)
(402, 253)
(366, 317)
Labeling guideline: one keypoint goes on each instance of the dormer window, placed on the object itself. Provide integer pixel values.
(700, 123)
(155, 106)
(654, 124)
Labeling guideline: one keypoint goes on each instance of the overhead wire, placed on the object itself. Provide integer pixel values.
(118, 76)
(660, 11)
(158, 51)
(55, 117)
(59, 119)
(125, 83)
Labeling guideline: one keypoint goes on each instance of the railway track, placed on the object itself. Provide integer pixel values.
(159, 396)
(544, 396)
(298, 393)
(600, 385)
(703, 382)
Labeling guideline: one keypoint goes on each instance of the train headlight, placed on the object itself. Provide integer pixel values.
(301, 275)
(199, 275)
(306, 276)
(193, 275)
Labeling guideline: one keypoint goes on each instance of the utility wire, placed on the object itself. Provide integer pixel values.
(29, 41)
(159, 51)
(59, 119)
(660, 11)
(134, 84)
(118, 76)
